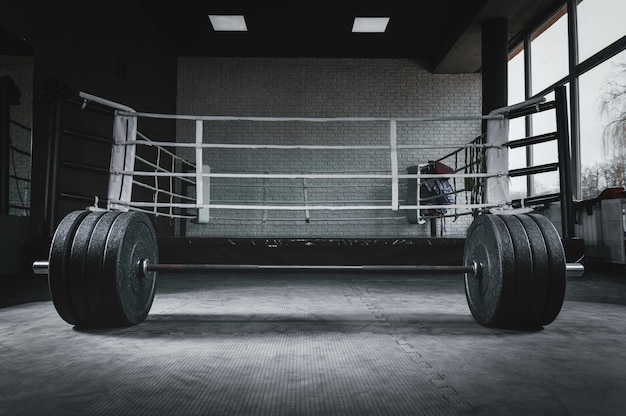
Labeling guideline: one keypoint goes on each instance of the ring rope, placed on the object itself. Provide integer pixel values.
(347, 201)
(157, 213)
(152, 165)
(308, 119)
(255, 186)
(311, 175)
(149, 142)
(345, 219)
(162, 191)
(306, 207)
(303, 146)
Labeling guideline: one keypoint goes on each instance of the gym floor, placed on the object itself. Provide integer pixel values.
(314, 344)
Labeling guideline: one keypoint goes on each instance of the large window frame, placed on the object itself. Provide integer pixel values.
(576, 69)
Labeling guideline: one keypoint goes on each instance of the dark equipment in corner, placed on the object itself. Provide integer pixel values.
(432, 191)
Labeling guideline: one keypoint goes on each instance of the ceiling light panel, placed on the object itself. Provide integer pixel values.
(228, 23)
(370, 24)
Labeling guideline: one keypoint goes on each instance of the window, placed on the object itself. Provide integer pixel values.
(545, 153)
(600, 23)
(602, 123)
(600, 159)
(517, 127)
(516, 89)
(548, 49)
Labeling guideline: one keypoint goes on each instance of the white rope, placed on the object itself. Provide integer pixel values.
(311, 119)
(156, 166)
(262, 146)
(170, 193)
(342, 219)
(315, 175)
(253, 201)
(307, 207)
(148, 142)
(262, 207)
(309, 186)
(169, 214)
(447, 146)
(303, 146)
(451, 206)
(451, 175)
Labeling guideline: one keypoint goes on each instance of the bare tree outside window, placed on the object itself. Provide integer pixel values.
(612, 107)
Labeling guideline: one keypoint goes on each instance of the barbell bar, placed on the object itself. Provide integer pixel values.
(102, 269)
(41, 267)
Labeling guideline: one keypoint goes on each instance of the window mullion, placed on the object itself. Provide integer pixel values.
(572, 25)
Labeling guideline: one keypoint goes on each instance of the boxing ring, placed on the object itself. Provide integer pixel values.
(182, 182)
(103, 261)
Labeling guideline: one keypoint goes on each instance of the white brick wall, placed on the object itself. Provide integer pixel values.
(319, 88)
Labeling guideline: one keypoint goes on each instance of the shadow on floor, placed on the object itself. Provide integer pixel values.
(182, 326)
(17, 290)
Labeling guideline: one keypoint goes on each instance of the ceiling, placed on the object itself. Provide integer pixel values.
(444, 32)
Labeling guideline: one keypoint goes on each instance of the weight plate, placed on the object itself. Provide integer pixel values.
(541, 270)
(76, 276)
(490, 294)
(127, 293)
(523, 270)
(94, 291)
(558, 270)
(58, 260)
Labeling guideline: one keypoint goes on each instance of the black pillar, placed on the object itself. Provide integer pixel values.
(50, 94)
(495, 53)
(9, 95)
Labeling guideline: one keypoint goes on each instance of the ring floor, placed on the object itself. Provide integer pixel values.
(315, 344)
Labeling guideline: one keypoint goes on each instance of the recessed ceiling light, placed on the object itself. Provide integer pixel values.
(228, 23)
(370, 24)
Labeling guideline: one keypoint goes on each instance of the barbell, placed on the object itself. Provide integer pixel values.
(102, 269)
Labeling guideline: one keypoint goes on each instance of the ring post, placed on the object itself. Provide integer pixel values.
(497, 160)
(122, 153)
(122, 159)
(199, 178)
(204, 212)
(393, 145)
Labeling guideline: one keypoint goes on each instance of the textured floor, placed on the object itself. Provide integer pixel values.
(316, 344)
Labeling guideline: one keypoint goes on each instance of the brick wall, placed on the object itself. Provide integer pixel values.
(320, 88)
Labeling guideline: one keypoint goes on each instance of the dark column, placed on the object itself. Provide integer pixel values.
(9, 95)
(47, 126)
(494, 42)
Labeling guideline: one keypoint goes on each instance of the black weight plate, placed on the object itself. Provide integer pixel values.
(76, 276)
(490, 295)
(541, 270)
(558, 269)
(58, 259)
(523, 270)
(94, 290)
(128, 293)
